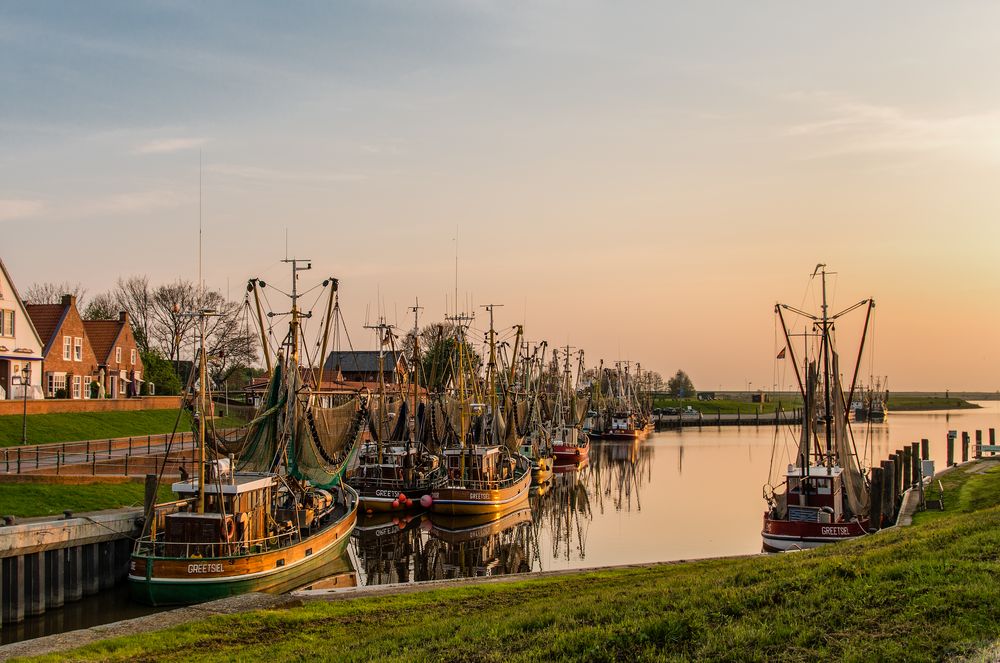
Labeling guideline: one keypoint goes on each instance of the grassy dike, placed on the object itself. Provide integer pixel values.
(71, 427)
(925, 592)
(26, 500)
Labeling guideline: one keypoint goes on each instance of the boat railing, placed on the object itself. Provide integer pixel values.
(148, 546)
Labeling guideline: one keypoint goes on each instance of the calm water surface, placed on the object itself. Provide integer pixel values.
(679, 494)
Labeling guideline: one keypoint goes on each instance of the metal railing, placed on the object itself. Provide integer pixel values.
(111, 456)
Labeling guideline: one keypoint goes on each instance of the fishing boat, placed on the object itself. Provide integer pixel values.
(569, 443)
(536, 442)
(267, 509)
(823, 497)
(396, 470)
(871, 405)
(623, 414)
(486, 474)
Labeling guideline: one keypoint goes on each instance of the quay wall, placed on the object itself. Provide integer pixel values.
(46, 563)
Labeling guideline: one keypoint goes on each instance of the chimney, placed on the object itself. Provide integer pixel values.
(123, 316)
(69, 300)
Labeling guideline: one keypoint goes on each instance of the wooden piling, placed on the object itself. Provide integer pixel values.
(875, 498)
(925, 449)
(951, 450)
(907, 470)
(965, 447)
(889, 490)
(979, 444)
(993, 440)
(915, 473)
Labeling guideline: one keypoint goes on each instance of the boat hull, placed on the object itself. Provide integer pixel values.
(784, 535)
(162, 581)
(460, 501)
(381, 499)
(570, 454)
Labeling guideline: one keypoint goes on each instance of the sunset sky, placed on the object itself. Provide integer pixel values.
(642, 180)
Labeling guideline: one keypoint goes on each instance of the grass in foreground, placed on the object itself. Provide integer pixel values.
(920, 593)
(43, 499)
(70, 427)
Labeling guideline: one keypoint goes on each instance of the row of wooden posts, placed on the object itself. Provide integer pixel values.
(904, 469)
(894, 476)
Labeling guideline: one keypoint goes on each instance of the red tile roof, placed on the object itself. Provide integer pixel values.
(102, 335)
(46, 318)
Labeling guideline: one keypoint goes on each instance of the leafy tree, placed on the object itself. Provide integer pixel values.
(161, 373)
(439, 355)
(102, 307)
(680, 386)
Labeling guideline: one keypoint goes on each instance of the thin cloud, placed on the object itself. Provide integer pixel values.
(133, 203)
(275, 175)
(851, 127)
(168, 145)
(19, 208)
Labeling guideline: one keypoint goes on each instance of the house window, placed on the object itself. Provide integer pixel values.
(131, 356)
(122, 387)
(77, 349)
(67, 347)
(118, 355)
(6, 322)
(77, 386)
(56, 381)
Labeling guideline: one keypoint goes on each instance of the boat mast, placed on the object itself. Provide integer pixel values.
(416, 308)
(294, 325)
(827, 415)
(203, 383)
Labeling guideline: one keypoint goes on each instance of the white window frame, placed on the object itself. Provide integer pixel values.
(77, 348)
(77, 386)
(67, 348)
(122, 387)
(3, 321)
(131, 355)
(54, 382)
(118, 354)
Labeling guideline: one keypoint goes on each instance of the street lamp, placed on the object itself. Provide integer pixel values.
(25, 381)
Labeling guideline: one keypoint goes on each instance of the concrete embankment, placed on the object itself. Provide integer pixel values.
(46, 562)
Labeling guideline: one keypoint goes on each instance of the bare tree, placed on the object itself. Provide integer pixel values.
(52, 293)
(135, 296)
(170, 319)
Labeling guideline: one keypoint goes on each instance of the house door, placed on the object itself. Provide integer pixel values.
(5, 378)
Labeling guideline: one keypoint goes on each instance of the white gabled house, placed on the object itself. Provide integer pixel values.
(20, 345)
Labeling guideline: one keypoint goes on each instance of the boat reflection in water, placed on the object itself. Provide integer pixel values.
(618, 471)
(425, 547)
(562, 510)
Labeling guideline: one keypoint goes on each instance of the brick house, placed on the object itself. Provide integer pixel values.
(20, 345)
(119, 364)
(69, 364)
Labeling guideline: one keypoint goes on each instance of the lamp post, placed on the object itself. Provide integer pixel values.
(25, 383)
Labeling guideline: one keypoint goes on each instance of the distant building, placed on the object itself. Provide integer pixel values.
(758, 397)
(706, 395)
(119, 364)
(363, 366)
(69, 364)
(20, 344)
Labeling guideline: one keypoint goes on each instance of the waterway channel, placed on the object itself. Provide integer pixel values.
(680, 494)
